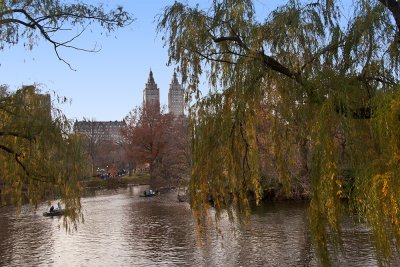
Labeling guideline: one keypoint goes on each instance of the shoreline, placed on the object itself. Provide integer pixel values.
(115, 182)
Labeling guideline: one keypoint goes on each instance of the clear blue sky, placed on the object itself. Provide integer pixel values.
(107, 84)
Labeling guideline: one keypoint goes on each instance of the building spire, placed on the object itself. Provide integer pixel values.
(151, 78)
(176, 97)
(174, 78)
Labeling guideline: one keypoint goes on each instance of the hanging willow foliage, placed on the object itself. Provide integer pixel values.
(39, 159)
(223, 126)
(326, 83)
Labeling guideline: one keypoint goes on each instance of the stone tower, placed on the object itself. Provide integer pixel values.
(151, 93)
(175, 97)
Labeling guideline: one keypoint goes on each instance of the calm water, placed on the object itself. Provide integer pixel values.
(122, 229)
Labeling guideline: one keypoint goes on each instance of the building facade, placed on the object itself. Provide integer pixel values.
(101, 130)
(151, 93)
(176, 97)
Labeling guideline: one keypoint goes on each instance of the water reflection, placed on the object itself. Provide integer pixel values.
(124, 229)
(19, 241)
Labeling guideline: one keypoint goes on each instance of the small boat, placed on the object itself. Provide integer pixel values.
(53, 213)
(183, 198)
(150, 193)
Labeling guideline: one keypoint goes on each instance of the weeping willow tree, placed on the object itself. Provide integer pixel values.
(39, 158)
(326, 75)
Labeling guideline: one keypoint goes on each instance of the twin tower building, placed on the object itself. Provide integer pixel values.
(151, 95)
(111, 130)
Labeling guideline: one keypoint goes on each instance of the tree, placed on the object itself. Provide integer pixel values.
(28, 21)
(145, 132)
(283, 165)
(39, 159)
(158, 139)
(113, 155)
(176, 155)
(39, 156)
(102, 143)
(331, 82)
(90, 140)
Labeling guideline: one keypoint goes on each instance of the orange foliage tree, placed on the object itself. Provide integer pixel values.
(156, 138)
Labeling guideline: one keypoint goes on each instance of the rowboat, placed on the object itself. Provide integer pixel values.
(53, 213)
(150, 193)
(182, 198)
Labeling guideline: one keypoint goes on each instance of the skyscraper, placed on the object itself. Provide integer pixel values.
(175, 97)
(151, 93)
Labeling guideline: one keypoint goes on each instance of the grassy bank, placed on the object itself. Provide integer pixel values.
(115, 182)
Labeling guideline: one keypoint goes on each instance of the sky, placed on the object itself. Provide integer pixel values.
(108, 84)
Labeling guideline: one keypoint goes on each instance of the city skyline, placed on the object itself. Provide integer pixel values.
(104, 86)
(108, 84)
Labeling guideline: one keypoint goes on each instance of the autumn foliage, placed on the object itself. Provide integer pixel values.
(306, 96)
(158, 140)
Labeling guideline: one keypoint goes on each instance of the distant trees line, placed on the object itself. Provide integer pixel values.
(148, 139)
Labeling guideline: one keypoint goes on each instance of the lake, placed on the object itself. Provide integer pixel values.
(123, 229)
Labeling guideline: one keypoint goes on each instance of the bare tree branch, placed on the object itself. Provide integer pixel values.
(75, 14)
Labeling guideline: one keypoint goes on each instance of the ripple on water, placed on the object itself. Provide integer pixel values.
(122, 229)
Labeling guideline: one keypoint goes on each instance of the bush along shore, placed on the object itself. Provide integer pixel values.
(115, 182)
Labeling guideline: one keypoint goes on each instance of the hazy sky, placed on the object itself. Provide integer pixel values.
(108, 84)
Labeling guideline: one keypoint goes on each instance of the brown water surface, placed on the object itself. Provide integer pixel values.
(123, 229)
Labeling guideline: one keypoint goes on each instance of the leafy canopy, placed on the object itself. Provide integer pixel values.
(40, 159)
(326, 75)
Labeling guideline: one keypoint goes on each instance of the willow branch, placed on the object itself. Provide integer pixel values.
(321, 52)
(268, 61)
(208, 57)
(16, 156)
(394, 7)
(15, 134)
(271, 63)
